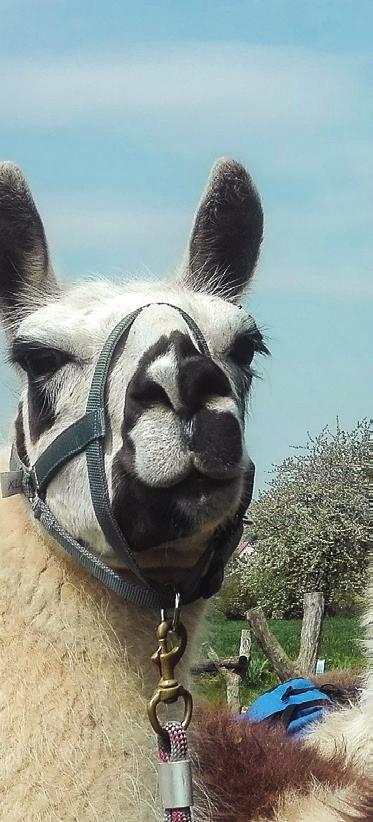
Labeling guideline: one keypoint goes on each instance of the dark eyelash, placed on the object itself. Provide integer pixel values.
(22, 347)
(245, 346)
(259, 344)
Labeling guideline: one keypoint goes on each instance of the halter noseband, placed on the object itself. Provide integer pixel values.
(87, 434)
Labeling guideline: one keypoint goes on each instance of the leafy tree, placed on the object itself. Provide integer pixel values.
(308, 530)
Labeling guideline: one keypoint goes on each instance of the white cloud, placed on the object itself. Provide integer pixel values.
(77, 223)
(237, 86)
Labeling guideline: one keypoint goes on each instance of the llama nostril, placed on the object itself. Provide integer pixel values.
(200, 380)
(150, 393)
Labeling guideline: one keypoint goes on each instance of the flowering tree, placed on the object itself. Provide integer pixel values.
(309, 528)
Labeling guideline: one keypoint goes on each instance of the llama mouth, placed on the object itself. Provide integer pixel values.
(153, 516)
(197, 483)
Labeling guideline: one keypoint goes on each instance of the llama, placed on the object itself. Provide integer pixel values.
(75, 660)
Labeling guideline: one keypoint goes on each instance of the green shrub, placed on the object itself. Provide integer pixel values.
(308, 531)
(234, 599)
(258, 672)
(345, 604)
(230, 599)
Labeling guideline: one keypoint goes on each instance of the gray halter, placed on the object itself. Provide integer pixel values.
(87, 434)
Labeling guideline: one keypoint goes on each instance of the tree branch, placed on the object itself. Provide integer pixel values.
(282, 665)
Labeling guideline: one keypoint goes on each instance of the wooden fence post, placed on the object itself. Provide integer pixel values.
(232, 685)
(245, 644)
(233, 678)
(313, 612)
(233, 669)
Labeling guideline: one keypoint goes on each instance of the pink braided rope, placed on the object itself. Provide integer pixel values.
(173, 750)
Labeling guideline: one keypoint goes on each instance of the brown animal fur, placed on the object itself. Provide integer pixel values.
(255, 772)
(341, 679)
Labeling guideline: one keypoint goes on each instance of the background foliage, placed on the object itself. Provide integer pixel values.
(340, 645)
(308, 531)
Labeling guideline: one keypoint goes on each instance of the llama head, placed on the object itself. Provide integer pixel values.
(175, 455)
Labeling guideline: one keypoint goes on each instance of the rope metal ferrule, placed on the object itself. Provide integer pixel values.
(175, 784)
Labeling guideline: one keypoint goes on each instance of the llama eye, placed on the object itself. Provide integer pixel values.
(42, 363)
(242, 350)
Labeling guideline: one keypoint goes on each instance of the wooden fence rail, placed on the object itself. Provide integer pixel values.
(234, 669)
(305, 664)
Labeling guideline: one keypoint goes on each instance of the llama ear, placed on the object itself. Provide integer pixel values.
(25, 272)
(227, 232)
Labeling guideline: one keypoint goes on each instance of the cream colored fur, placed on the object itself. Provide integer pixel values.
(74, 678)
(323, 805)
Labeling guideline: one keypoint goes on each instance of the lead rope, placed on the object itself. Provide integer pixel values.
(174, 748)
(174, 769)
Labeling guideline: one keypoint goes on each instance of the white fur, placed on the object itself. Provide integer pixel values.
(162, 458)
(164, 370)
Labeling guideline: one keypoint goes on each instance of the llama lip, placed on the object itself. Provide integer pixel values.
(197, 483)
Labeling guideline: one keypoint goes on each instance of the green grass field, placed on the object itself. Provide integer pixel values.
(339, 646)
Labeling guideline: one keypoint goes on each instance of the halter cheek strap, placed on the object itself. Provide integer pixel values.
(87, 434)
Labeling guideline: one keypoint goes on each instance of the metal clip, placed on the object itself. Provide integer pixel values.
(166, 658)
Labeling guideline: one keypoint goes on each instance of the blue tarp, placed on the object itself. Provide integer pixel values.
(295, 703)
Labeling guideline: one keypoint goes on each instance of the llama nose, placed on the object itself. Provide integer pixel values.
(180, 378)
(200, 379)
(185, 388)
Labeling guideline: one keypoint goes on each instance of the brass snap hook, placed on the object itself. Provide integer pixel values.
(157, 698)
(166, 658)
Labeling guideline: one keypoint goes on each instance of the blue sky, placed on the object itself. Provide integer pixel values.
(116, 112)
